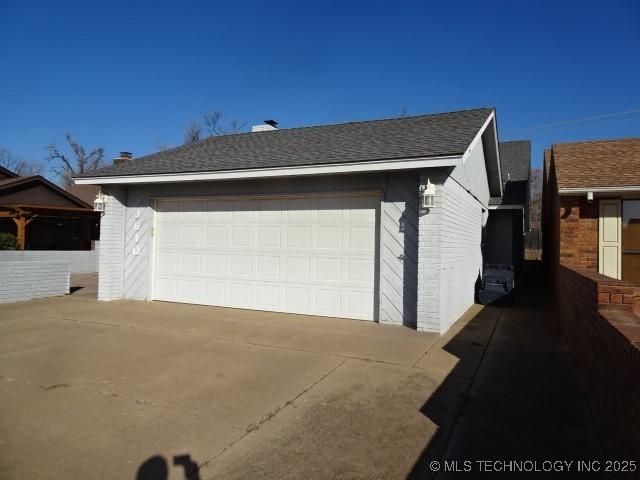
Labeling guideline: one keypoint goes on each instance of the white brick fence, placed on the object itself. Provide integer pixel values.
(78, 261)
(29, 274)
(24, 280)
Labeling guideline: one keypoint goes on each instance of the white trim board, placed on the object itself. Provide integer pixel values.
(353, 167)
(584, 191)
(507, 207)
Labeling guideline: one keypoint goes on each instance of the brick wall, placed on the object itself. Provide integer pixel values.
(78, 261)
(579, 232)
(28, 280)
(449, 245)
(603, 331)
(111, 256)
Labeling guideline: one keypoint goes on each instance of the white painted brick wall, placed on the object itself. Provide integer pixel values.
(449, 248)
(24, 280)
(78, 261)
(111, 256)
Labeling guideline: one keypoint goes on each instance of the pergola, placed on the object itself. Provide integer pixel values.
(24, 214)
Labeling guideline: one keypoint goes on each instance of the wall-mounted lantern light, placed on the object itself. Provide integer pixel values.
(428, 195)
(590, 197)
(99, 202)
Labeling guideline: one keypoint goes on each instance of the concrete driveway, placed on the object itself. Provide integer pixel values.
(157, 390)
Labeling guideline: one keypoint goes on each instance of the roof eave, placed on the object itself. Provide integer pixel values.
(290, 171)
(488, 135)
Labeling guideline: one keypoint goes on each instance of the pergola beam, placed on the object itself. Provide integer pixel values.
(21, 223)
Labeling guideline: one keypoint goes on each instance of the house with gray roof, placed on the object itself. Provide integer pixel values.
(509, 213)
(378, 220)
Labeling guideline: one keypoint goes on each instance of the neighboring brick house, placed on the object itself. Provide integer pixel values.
(591, 226)
(591, 207)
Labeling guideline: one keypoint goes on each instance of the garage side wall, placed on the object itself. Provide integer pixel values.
(112, 244)
(398, 230)
(450, 249)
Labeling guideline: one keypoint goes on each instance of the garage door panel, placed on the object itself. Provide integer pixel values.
(268, 267)
(361, 237)
(190, 262)
(269, 236)
(311, 255)
(297, 268)
(328, 301)
(168, 262)
(329, 269)
(189, 289)
(193, 210)
(328, 236)
(358, 303)
(166, 287)
(241, 294)
(241, 236)
(298, 236)
(168, 234)
(216, 236)
(215, 264)
(214, 292)
(191, 235)
(268, 296)
(360, 270)
(297, 299)
(241, 265)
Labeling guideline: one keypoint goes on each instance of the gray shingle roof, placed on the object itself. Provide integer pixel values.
(406, 137)
(515, 162)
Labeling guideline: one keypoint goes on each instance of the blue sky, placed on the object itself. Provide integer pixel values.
(131, 75)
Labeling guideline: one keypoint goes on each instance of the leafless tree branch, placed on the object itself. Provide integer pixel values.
(193, 133)
(66, 166)
(17, 165)
(212, 126)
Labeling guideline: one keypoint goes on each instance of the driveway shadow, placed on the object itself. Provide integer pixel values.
(513, 394)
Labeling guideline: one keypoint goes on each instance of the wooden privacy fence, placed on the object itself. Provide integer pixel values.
(533, 244)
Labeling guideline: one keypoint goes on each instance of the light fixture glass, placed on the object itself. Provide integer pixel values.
(428, 195)
(98, 203)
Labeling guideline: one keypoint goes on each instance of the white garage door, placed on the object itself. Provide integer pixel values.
(311, 255)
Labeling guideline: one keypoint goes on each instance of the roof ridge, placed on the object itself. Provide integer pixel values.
(352, 122)
(604, 140)
(516, 141)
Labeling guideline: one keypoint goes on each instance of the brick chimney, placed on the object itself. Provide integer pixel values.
(123, 157)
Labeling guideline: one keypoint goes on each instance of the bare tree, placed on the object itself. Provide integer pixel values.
(193, 133)
(212, 123)
(211, 126)
(17, 165)
(80, 161)
(237, 126)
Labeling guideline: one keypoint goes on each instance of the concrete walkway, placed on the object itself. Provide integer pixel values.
(84, 285)
(154, 390)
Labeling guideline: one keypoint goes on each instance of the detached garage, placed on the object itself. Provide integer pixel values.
(380, 220)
